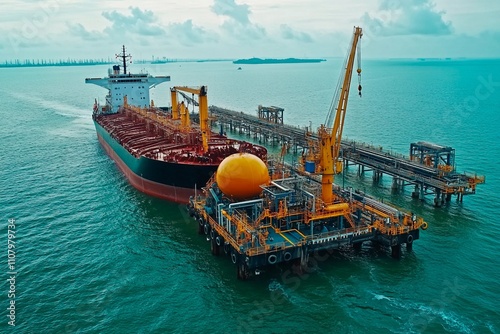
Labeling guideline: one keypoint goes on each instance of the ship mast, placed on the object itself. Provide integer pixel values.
(124, 57)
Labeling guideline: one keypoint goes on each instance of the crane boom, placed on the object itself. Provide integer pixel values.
(330, 142)
(202, 105)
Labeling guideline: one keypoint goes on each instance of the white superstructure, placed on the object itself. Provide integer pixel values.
(134, 86)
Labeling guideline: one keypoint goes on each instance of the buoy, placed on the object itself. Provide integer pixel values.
(425, 226)
(272, 259)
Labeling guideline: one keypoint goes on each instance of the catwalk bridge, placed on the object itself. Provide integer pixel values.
(429, 168)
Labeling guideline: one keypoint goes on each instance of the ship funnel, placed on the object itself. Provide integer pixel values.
(116, 69)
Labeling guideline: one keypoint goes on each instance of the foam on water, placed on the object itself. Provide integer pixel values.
(381, 297)
(58, 107)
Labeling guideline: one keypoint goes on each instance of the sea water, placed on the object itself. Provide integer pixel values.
(92, 254)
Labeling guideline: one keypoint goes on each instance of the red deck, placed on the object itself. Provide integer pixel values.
(164, 140)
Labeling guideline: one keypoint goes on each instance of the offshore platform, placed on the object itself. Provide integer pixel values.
(429, 167)
(264, 213)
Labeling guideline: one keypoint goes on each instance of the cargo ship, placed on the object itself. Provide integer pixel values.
(160, 150)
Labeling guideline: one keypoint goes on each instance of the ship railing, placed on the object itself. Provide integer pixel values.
(239, 244)
(341, 234)
(256, 251)
(388, 228)
(474, 178)
(224, 233)
(253, 251)
(389, 219)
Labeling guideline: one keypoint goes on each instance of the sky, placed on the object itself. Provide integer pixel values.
(230, 29)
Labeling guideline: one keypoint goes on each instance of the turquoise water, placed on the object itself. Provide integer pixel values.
(93, 255)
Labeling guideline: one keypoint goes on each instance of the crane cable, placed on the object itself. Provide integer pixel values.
(332, 110)
(359, 66)
(336, 97)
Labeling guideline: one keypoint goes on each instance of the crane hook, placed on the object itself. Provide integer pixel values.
(359, 76)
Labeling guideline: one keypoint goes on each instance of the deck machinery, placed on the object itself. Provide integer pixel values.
(300, 211)
(289, 221)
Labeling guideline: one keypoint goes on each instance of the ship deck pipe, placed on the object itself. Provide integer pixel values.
(336, 207)
(214, 195)
(220, 217)
(381, 206)
(244, 203)
(367, 200)
(313, 198)
(332, 207)
(293, 178)
(279, 186)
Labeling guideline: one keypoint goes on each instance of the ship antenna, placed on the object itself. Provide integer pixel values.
(124, 57)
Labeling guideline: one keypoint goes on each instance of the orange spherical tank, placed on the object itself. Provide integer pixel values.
(240, 175)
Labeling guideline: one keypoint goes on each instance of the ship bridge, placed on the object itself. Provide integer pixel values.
(135, 86)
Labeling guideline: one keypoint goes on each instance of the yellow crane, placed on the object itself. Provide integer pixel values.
(329, 142)
(180, 111)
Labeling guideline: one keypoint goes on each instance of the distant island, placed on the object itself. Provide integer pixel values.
(277, 61)
(154, 61)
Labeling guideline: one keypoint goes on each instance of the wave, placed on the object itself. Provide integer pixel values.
(424, 315)
(58, 107)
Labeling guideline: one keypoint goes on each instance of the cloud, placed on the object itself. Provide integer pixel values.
(78, 30)
(239, 13)
(409, 17)
(288, 33)
(15, 40)
(237, 20)
(139, 25)
(189, 34)
(140, 22)
(249, 32)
